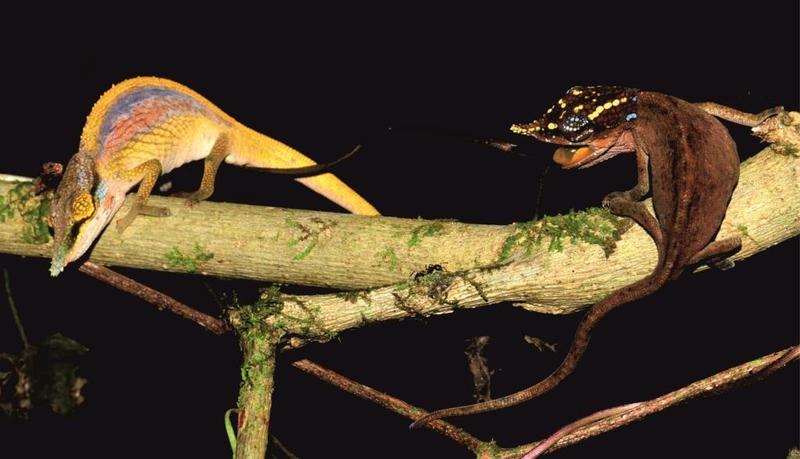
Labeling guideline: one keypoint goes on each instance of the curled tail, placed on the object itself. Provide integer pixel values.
(632, 292)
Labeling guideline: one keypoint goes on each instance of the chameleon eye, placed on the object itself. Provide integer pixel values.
(82, 207)
(576, 127)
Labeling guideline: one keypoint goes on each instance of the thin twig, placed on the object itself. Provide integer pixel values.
(152, 296)
(760, 368)
(283, 448)
(219, 327)
(540, 192)
(389, 402)
(14, 311)
(573, 426)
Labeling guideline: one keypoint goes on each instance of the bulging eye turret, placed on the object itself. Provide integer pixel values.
(576, 127)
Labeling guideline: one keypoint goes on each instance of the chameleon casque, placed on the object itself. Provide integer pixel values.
(144, 127)
(685, 158)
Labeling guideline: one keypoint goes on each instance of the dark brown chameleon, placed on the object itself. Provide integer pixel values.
(685, 157)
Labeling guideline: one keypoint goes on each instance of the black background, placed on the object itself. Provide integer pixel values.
(324, 80)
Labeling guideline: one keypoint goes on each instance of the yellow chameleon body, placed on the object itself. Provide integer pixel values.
(144, 127)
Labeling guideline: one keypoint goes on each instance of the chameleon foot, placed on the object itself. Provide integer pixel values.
(140, 209)
(192, 198)
(723, 265)
(716, 253)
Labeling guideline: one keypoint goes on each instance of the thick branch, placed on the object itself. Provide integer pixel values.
(346, 251)
(255, 391)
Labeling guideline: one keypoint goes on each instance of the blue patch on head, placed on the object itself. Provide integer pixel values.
(100, 191)
(630, 116)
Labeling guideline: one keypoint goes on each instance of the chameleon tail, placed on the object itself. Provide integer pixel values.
(331, 187)
(635, 291)
(251, 148)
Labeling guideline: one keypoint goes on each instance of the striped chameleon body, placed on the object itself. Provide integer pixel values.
(144, 127)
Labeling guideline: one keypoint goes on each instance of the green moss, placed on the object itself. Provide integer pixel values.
(309, 235)
(742, 228)
(595, 226)
(268, 316)
(257, 368)
(251, 320)
(292, 223)
(435, 283)
(304, 253)
(388, 256)
(523, 235)
(404, 285)
(787, 149)
(397, 230)
(490, 449)
(423, 231)
(188, 262)
(22, 200)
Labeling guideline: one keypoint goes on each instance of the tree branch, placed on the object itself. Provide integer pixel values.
(390, 403)
(255, 393)
(154, 297)
(348, 251)
(259, 365)
(711, 385)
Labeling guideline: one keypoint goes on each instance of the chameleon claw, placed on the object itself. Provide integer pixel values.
(769, 113)
(124, 223)
(191, 198)
(140, 209)
(154, 211)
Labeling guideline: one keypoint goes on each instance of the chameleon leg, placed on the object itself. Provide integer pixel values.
(637, 212)
(627, 203)
(736, 116)
(716, 253)
(149, 172)
(210, 167)
(642, 186)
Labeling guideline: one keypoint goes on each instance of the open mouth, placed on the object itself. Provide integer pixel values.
(569, 157)
(581, 156)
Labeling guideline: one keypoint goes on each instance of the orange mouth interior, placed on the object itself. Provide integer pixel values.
(565, 156)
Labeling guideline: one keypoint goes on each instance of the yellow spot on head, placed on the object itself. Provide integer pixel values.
(560, 101)
(607, 105)
(562, 105)
(82, 207)
(578, 108)
(615, 102)
(623, 100)
(550, 110)
(552, 126)
(525, 129)
(576, 92)
(592, 116)
(599, 109)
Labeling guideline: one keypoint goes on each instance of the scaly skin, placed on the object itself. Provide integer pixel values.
(144, 127)
(685, 157)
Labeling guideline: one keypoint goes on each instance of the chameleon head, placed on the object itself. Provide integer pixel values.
(81, 208)
(591, 122)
